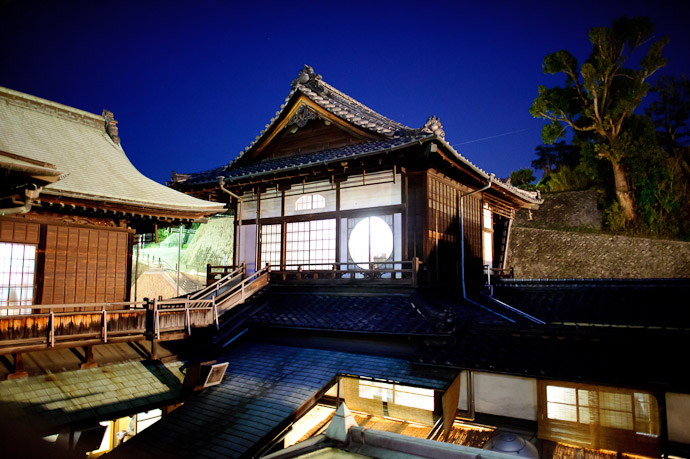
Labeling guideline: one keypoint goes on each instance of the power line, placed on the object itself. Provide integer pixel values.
(490, 137)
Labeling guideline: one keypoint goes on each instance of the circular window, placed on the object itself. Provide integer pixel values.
(371, 240)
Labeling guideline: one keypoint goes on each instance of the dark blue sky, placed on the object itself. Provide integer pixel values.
(192, 83)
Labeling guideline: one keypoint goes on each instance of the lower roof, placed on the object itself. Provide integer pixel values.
(263, 387)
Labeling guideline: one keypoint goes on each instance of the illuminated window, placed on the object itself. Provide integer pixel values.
(17, 265)
(310, 243)
(370, 240)
(310, 201)
(487, 236)
(270, 244)
(626, 410)
(413, 397)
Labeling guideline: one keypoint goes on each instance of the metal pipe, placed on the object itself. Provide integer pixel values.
(462, 233)
(221, 184)
(29, 196)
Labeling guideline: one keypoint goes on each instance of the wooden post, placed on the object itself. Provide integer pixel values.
(90, 362)
(415, 272)
(18, 368)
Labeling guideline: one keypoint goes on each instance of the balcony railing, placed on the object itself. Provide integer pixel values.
(66, 325)
(398, 273)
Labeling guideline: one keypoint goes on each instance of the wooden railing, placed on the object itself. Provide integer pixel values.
(216, 272)
(400, 273)
(66, 325)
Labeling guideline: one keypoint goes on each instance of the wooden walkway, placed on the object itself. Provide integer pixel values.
(50, 326)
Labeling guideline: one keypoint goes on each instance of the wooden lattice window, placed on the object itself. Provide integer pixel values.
(271, 246)
(310, 243)
(600, 417)
(17, 268)
(310, 202)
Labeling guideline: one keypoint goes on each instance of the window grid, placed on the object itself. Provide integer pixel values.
(609, 409)
(271, 239)
(310, 201)
(17, 265)
(310, 243)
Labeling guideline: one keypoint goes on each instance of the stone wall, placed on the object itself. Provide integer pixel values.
(569, 209)
(545, 253)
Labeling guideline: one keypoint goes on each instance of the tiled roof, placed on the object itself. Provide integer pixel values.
(371, 313)
(345, 107)
(58, 399)
(629, 357)
(263, 386)
(645, 303)
(306, 160)
(77, 143)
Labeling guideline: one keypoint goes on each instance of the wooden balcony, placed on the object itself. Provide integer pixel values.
(67, 325)
(374, 274)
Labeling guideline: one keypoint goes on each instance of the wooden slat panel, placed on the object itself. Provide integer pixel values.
(101, 266)
(49, 267)
(82, 261)
(60, 264)
(19, 232)
(111, 267)
(121, 269)
(92, 266)
(72, 259)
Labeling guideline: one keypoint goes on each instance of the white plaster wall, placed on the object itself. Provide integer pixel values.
(354, 195)
(248, 247)
(271, 204)
(502, 395)
(248, 207)
(678, 417)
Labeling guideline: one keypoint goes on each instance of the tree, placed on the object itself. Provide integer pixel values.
(670, 114)
(522, 178)
(599, 96)
(552, 157)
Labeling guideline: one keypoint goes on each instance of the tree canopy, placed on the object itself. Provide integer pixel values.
(600, 95)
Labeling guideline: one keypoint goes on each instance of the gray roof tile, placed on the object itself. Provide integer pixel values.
(279, 388)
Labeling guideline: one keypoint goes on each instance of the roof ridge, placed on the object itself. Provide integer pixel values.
(49, 107)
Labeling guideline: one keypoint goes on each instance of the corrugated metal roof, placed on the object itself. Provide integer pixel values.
(76, 142)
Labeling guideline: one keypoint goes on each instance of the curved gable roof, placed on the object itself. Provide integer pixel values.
(77, 143)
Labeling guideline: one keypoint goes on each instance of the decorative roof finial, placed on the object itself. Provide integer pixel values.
(433, 126)
(308, 78)
(111, 126)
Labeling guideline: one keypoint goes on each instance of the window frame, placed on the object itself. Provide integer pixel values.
(6, 290)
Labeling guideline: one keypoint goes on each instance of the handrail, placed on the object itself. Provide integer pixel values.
(222, 282)
(52, 324)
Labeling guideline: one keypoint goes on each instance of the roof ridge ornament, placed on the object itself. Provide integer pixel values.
(111, 125)
(307, 77)
(433, 126)
(303, 115)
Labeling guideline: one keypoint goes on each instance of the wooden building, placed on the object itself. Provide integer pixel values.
(330, 184)
(71, 204)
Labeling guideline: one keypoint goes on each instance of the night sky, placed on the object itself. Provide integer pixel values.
(192, 83)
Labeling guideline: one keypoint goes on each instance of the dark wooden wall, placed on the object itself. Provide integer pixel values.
(75, 263)
(434, 227)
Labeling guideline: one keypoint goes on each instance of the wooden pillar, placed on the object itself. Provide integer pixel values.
(18, 368)
(154, 349)
(90, 362)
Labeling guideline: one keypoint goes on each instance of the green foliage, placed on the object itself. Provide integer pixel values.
(522, 178)
(566, 179)
(601, 94)
(614, 219)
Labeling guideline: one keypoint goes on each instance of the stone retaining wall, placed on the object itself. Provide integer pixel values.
(542, 253)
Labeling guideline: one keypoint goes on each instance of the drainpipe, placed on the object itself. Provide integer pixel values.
(221, 183)
(29, 196)
(462, 234)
